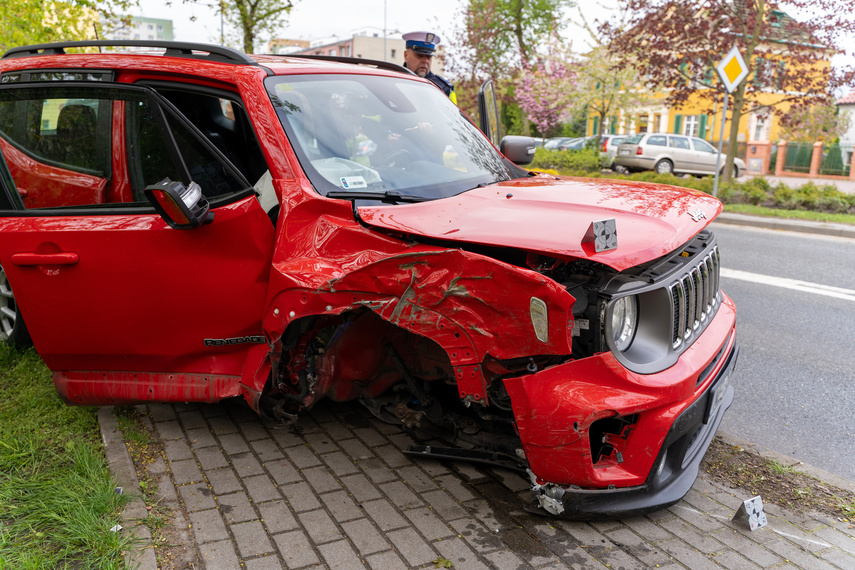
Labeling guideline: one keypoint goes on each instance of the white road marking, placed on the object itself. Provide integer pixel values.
(795, 284)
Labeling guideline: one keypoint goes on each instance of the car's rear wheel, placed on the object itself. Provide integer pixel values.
(664, 167)
(12, 327)
(734, 174)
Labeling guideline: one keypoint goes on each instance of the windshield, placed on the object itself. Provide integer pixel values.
(366, 134)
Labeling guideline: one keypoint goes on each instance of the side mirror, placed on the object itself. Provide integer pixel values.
(519, 150)
(182, 208)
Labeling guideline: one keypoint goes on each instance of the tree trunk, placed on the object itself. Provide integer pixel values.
(736, 115)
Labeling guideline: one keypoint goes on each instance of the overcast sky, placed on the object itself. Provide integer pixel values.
(315, 19)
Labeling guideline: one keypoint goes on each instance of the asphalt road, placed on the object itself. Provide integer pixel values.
(795, 298)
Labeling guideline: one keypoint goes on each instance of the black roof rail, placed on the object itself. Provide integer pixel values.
(353, 60)
(215, 52)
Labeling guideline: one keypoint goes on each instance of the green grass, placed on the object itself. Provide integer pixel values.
(792, 214)
(57, 499)
(780, 468)
(755, 196)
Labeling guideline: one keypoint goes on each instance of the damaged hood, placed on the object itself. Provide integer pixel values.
(554, 217)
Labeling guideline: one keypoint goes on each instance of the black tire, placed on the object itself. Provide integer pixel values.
(735, 172)
(664, 166)
(13, 330)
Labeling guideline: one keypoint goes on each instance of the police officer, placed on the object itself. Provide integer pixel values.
(420, 49)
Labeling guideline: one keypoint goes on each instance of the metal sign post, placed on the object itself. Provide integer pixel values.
(720, 141)
(732, 70)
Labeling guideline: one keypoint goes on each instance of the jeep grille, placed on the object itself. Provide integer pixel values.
(694, 298)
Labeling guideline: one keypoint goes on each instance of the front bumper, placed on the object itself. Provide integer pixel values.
(676, 467)
(655, 457)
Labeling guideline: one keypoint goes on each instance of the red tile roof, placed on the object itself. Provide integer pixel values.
(847, 99)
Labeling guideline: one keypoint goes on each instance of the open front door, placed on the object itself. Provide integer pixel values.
(109, 291)
(488, 110)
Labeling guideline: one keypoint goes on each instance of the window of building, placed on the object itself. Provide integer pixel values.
(656, 127)
(761, 124)
(690, 125)
(333, 52)
(643, 123)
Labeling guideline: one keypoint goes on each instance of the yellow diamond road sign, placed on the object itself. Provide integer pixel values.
(732, 69)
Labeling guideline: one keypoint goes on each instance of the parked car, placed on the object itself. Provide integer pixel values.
(609, 148)
(607, 144)
(559, 143)
(667, 153)
(219, 226)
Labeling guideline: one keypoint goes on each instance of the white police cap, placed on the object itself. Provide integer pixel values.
(422, 42)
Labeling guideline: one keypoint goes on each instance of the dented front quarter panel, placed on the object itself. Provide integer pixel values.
(555, 408)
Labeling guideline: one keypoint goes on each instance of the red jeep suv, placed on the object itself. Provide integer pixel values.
(190, 223)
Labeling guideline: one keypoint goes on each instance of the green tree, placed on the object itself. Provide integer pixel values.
(253, 18)
(608, 85)
(500, 37)
(24, 22)
(496, 40)
(809, 124)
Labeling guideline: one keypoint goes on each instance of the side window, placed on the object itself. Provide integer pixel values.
(678, 142)
(61, 131)
(224, 122)
(56, 143)
(703, 146)
(89, 146)
(657, 141)
(150, 158)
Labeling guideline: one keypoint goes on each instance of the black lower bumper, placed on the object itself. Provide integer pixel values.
(676, 467)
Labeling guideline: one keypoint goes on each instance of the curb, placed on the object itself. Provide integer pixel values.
(122, 468)
(802, 226)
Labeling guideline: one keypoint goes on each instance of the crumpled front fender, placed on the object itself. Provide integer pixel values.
(458, 299)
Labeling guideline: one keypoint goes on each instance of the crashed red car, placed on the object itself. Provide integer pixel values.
(197, 224)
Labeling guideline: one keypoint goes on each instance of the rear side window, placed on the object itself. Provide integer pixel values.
(678, 142)
(85, 145)
(657, 141)
(72, 133)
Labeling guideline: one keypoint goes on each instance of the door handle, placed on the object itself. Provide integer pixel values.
(45, 258)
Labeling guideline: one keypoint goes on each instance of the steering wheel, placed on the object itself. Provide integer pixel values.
(398, 158)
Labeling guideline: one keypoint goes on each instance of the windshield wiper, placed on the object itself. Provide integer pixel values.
(387, 196)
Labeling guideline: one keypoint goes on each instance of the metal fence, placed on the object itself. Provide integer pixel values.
(836, 159)
(798, 157)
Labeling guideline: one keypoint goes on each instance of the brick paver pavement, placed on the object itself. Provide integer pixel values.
(336, 491)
